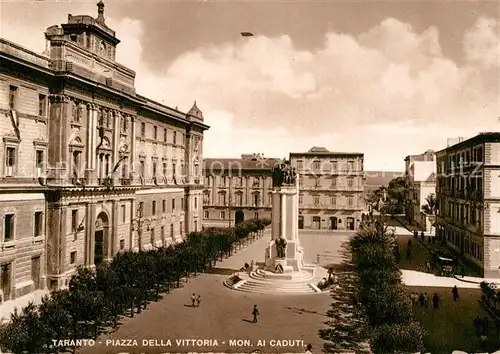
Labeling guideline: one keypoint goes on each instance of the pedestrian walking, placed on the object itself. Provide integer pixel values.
(193, 299)
(435, 300)
(309, 349)
(454, 292)
(198, 301)
(426, 300)
(421, 299)
(255, 313)
(422, 236)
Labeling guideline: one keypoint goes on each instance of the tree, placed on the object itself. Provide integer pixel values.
(398, 338)
(431, 204)
(347, 324)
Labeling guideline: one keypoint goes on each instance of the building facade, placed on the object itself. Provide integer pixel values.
(237, 189)
(468, 192)
(420, 177)
(331, 186)
(89, 167)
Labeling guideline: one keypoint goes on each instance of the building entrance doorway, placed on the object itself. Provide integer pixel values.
(101, 238)
(350, 223)
(301, 222)
(239, 216)
(6, 280)
(316, 222)
(333, 223)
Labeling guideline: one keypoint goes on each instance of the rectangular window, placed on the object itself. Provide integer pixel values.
(74, 220)
(256, 215)
(124, 213)
(122, 245)
(175, 138)
(316, 165)
(38, 227)
(350, 201)
(13, 97)
(39, 163)
(301, 199)
(195, 226)
(42, 105)
(316, 200)
(182, 203)
(333, 200)
(300, 165)
(142, 168)
(173, 204)
(164, 206)
(73, 257)
(181, 227)
(162, 234)
(165, 135)
(164, 169)
(222, 215)
(350, 182)
(153, 208)
(143, 130)
(350, 165)
(195, 202)
(171, 231)
(206, 214)
(154, 168)
(153, 237)
(155, 133)
(174, 169)
(8, 228)
(10, 161)
(334, 165)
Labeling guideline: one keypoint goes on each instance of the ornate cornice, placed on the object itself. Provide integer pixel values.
(59, 99)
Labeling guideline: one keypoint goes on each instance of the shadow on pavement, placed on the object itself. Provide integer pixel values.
(222, 271)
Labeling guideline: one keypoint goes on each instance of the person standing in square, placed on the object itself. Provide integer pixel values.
(193, 299)
(255, 313)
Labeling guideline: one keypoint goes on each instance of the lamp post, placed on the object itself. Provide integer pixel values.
(138, 224)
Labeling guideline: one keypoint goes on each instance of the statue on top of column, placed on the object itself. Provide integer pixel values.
(284, 174)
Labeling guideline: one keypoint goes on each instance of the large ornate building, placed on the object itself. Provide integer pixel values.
(331, 188)
(89, 167)
(237, 189)
(468, 192)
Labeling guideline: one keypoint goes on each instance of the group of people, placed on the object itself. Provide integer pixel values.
(423, 300)
(195, 300)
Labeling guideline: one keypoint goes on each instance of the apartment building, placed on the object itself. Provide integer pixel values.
(420, 176)
(89, 167)
(237, 189)
(468, 192)
(331, 186)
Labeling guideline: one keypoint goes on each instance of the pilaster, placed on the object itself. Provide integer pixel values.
(90, 237)
(116, 143)
(56, 241)
(112, 245)
(91, 154)
(58, 139)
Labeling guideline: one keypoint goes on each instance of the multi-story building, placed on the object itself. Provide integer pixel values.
(331, 188)
(468, 192)
(89, 167)
(420, 176)
(237, 189)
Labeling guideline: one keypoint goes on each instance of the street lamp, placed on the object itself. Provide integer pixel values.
(139, 222)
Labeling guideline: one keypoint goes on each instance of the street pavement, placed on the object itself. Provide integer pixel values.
(285, 325)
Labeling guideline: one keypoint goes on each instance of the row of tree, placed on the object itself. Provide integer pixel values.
(372, 307)
(96, 298)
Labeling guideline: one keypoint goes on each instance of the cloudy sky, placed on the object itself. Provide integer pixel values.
(387, 78)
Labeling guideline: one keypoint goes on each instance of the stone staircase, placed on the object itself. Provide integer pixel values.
(263, 282)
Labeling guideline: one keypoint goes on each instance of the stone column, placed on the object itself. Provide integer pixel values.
(58, 139)
(116, 144)
(56, 242)
(91, 153)
(133, 207)
(90, 234)
(113, 244)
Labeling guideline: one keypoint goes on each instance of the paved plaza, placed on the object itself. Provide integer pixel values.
(291, 321)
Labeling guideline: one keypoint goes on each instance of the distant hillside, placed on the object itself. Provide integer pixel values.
(377, 179)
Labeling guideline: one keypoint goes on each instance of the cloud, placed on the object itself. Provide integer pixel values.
(388, 92)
